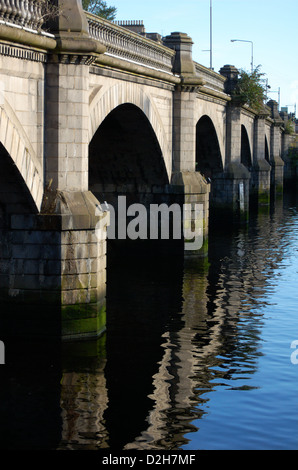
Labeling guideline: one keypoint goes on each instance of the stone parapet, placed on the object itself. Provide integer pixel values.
(123, 44)
(24, 13)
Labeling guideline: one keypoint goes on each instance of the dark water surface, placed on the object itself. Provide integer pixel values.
(196, 355)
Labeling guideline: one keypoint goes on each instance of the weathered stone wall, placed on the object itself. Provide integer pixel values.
(22, 86)
(58, 261)
(66, 130)
(22, 115)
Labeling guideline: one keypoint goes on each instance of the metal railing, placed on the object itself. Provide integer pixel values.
(23, 13)
(128, 45)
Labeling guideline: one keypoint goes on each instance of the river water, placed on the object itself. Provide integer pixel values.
(197, 355)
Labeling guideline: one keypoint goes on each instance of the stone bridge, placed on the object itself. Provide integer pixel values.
(92, 110)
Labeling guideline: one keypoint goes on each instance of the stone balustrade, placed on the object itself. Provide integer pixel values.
(213, 80)
(23, 13)
(128, 45)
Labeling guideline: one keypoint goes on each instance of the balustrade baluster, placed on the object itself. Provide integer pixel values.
(12, 12)
(27, 15)
(8, 10)
(35, 19)
(17, 19)
(30, 21)
(39, 14)
(23, 12)
(3, 8)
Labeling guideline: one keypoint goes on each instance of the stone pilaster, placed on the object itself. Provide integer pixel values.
(185, 180)
(230, 196)
(184, 145)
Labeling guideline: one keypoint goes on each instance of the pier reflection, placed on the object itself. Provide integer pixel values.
(175, 333)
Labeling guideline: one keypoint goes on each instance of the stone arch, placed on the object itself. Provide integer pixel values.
(18, 147)
(208, 154)
(124, 153)
(104, 101)
(246, 155)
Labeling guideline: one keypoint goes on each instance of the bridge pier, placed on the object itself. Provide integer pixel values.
(55, 265)
(186, 180)
(277, 164)
(69, 272)
(195, 192)
(230, 197)
(261, 169)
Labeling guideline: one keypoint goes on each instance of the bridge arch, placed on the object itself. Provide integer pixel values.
(208, 154)
(103, 102)
(246, 154)
(16, 151)
(125, 155)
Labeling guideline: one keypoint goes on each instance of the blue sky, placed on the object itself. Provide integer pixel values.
(270, 24)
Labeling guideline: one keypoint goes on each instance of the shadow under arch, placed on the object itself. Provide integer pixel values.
(208, 155)
(124, 153)
(15, 196)
(246, 158)
(209, 161)
(30, 380)
(20, 150)
(103, 102)
(125, 159)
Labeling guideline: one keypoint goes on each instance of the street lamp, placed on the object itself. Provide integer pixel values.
(210, 50)
(211, 35)
(252, 51)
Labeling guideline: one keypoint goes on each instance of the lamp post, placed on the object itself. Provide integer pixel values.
(211, 34)
(252, 51)
(210, 50)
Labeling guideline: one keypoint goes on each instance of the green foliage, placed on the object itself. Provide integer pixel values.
(249, 89)
(290, 127)
(100, 8)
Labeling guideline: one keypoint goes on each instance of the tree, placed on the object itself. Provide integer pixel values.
(100, 8)
(249, 89)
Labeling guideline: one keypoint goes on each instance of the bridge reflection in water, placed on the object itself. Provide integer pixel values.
(174, 334)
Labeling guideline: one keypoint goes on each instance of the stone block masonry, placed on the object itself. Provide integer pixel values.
(55, 260)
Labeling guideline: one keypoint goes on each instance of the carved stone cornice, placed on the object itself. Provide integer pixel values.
(190, 84)
(68, 58)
